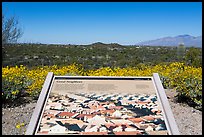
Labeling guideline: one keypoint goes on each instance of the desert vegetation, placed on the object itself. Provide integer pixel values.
(186, 80)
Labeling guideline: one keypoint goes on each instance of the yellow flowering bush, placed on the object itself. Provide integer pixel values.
(187, 80)
(14, 82)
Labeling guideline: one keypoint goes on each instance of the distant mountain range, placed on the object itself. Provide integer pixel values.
(187, 40)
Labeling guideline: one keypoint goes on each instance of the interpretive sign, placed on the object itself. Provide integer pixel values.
(103, 105)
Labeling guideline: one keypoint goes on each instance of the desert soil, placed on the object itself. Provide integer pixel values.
(188, 119)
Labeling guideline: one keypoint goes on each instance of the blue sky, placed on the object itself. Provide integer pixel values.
(109, 22)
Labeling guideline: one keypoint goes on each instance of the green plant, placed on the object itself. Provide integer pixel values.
(191, 88)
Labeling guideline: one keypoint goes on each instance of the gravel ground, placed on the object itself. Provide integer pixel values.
(11, 116)
(188, 119)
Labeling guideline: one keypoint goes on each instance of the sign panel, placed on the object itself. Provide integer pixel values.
(102, 106)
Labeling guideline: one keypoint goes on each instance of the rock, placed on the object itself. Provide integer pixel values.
(193, 111)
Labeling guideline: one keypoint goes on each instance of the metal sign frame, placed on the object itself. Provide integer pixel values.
(162, 99)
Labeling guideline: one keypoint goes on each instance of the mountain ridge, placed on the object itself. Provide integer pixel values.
(185, 39)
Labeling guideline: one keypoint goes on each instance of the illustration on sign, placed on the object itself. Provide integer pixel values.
(102, 107)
